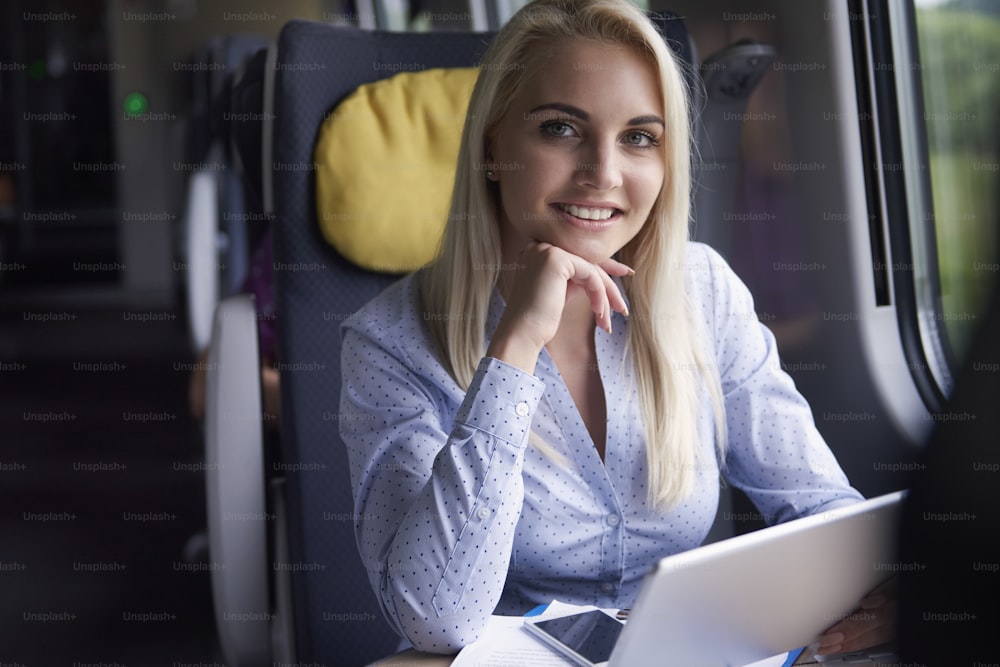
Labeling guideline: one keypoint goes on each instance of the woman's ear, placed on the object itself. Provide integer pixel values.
(489, 162)
(488, 165)
(488, 168)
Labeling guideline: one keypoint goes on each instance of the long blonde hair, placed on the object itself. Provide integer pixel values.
(662, 332)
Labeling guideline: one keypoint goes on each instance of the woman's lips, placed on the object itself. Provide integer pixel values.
(589, 217)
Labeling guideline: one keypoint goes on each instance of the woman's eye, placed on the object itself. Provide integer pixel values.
(557, 128)
(641, 139)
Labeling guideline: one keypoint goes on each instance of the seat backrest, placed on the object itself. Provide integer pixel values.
(337, 618)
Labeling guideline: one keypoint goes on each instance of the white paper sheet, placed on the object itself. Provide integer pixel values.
(505, 643)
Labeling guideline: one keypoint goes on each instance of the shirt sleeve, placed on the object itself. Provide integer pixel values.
(437, 492)
(775, 454)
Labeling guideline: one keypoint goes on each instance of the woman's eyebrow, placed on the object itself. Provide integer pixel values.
(565, 108)
(645, 120)
(583, 115)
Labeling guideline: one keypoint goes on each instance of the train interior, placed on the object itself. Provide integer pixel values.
(847, 169)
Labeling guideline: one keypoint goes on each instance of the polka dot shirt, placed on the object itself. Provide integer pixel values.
(458, 517)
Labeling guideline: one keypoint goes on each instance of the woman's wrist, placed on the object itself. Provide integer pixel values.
(515, 351)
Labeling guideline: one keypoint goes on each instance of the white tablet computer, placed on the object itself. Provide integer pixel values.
(756, 595)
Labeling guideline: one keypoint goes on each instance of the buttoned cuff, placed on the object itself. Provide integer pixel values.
(501, 401)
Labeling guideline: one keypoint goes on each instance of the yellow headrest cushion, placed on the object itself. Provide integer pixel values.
(385, 167)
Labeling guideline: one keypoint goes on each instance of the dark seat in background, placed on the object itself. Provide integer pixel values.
(217, 241)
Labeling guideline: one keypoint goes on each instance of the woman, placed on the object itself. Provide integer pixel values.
(503, 451)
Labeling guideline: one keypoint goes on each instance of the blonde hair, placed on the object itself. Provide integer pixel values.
(662, 332)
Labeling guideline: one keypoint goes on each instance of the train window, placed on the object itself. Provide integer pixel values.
(959, 66)
(413, 15)
(514, 5)
(935, 85)
(506, 8)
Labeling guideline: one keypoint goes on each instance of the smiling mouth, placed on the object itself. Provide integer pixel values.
(588, 213)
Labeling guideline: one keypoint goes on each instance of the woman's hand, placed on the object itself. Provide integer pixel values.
(871, 624)
(545, 279)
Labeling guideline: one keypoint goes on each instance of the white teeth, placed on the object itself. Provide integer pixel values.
(588, 213)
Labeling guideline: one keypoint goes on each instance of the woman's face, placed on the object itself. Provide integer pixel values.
(578, 155)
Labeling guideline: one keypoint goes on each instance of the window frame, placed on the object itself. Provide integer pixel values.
(897, 165)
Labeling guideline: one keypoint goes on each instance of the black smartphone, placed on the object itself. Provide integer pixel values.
(587, 639)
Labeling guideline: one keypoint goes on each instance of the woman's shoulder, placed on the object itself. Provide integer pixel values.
(705, 270)
(714, 290)
(393, 324)
(392, 311)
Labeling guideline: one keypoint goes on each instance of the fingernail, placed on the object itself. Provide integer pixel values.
(625, 313)
(631, 271)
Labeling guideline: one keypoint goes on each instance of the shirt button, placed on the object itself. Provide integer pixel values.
(483, 513)
(613, 520)
(522, 409)
(608, 587)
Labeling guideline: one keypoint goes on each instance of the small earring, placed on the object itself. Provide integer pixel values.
(491, 176)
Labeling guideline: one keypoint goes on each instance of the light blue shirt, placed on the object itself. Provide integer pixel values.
(459, 517)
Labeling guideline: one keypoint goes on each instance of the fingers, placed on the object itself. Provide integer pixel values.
(547, 278)
(871, 624)
(592, 280)
(601, 289)
(615, 268)
(612, 267)
(882, 594)
(838, 642)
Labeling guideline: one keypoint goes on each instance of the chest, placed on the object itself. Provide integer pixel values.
(581, 374)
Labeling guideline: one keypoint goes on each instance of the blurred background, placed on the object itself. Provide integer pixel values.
(102, 500)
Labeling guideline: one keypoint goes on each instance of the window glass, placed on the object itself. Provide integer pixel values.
(959, 53)
(517, 4)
